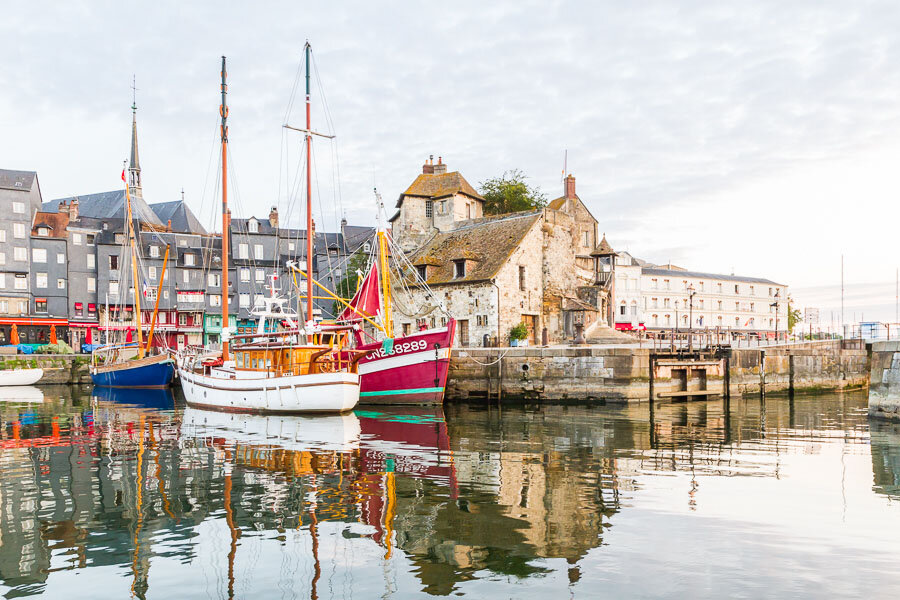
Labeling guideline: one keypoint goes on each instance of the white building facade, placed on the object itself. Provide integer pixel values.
(667, 298)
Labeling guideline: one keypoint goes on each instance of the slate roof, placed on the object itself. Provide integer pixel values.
(488, 242)
(355, 236)
(698, 274)
(429, 185)
(9, 179)
(182, 217)
(105, 205)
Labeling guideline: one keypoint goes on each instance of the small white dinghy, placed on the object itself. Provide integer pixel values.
(20, 376)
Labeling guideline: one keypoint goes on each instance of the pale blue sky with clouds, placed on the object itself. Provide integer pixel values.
(762, 138)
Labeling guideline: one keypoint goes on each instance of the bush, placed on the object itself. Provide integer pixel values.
(519, 332)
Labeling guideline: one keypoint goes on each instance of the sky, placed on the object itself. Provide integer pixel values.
(757, 138)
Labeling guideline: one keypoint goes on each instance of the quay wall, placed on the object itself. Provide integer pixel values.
(58, 368)
(884, 377)
(598, 373)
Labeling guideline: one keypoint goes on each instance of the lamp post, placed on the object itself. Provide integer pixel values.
(775, 304)
(691, 293)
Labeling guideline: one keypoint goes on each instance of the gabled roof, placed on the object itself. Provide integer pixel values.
(17, 180)
(429, 185)
(105, 205)
(487, 242)
(182, 217)
(558, 203)
(603, 248)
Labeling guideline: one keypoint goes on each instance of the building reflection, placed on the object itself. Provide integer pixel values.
(885, 438)
(119, 479)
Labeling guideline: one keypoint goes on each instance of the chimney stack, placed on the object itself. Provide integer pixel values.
(169, 225)
(73, 210)
(428, 167)
(273, 216)
(570, 187)
(440, 168)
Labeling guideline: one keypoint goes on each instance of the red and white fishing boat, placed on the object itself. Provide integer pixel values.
(409, 369)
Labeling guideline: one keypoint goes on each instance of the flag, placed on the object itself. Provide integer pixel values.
(123, 174)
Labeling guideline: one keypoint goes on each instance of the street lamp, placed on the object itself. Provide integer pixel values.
(691, 293)
(775, 304)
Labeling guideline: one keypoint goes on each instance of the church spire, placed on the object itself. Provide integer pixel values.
(134, 167)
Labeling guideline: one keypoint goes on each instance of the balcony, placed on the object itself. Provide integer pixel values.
(603, 278)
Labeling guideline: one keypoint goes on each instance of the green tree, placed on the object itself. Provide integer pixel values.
(793, 314)
(509, 193)
(346, 287)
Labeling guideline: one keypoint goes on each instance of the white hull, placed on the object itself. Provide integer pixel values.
(299, 433)
(21, 393)
(318, 393)
(20, 376)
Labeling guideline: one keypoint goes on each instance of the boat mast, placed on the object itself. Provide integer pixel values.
(385, 271)
(309, 233)
(134, 274)
(226, 215)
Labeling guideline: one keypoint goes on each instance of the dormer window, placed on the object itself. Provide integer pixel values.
(154, 251)
(459, 268)
(422, 271)
(43, 231)
(253, 226)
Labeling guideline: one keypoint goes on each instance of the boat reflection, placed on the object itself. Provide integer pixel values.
(21, 393)
(154, 398)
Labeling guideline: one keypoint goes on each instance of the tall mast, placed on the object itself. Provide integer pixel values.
(385, 272)
(226, 216)
(134, 275)
(309, 231)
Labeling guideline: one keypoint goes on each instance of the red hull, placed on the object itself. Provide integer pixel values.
(414, 372)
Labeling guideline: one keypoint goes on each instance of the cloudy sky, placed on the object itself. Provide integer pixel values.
(761, 138)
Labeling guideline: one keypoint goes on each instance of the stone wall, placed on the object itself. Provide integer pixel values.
(587, 374)
(58, 368)
(884, 378)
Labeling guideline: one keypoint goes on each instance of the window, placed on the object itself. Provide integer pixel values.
(655, 302)
(19, 208)
(737, 289)
(258, 251)
(405, 325)
(719, 287)
(185, 276)
(79, 309)
(737, 306)
(189, 260)
(92, 284)
(258, 300)
(752, 291)
(622, 309)
(586, 239)
(422, 270)
(719, 319)
(2, 235)
(244, 300)
(215, 300)
(737, 321)
(151, 272)
(291, 246)
(154, 251)
(39, 255)
(720, 304)
(89, 238)
(60, 258)
(633, 308)
(23, 306)
(443, 207)
(60, 284)
(243, 251)
(752, 307)
(43, 231)
(2, 280)
(214, 279)
(666, 283)
(468, 216)
(166, 294)
(4, 307)
(665, 303)
(770, 291)
(120, 238)
(522, 278)
(182, 319)
(459, 268)
(245, 274)
(701, 286)
(114, 288)
(654, 284)
(253, 226)
(113, 261)
(21, 282)
(429, 209)
(2, 258)
(76, 239)
(260, 275)
(20, 253)
(40, 305)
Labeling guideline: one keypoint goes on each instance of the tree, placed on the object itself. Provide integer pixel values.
(509, 193)
(346, 287)
(793, 315)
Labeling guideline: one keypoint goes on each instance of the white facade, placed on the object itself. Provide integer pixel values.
(659, 298)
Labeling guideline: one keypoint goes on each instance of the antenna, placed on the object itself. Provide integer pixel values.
(134, 90)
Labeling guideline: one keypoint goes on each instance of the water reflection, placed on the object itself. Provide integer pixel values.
(158, 500)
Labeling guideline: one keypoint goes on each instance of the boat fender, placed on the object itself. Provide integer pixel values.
(388, 345)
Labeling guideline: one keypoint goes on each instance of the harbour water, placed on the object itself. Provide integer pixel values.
(130, 494)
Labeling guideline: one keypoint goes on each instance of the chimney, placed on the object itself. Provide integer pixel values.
(63, 207)
(273, 216)
(428, 167)
(570, 187)
(440, 168)
(169, 225)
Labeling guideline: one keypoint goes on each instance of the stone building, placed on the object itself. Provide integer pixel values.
(492, 273)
